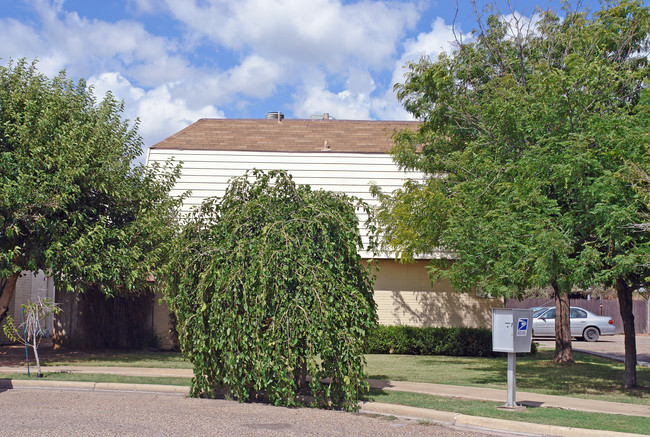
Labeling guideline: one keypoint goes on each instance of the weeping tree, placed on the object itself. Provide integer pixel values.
(527, 135)
(270, 294)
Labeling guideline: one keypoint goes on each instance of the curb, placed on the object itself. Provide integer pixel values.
(456, 419)
(442, 417)
(95, 386)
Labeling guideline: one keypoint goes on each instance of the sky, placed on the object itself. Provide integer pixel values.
(175, 61)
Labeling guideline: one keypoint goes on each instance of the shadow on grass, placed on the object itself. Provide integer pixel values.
(122, 358)
(589, 375)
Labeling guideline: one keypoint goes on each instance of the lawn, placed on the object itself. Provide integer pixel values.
(547, 416)
(590, 377)
(166, 360)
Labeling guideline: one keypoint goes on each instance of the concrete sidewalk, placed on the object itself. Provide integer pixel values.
(472, 393)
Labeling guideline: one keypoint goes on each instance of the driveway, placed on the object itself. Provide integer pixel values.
(611, 346)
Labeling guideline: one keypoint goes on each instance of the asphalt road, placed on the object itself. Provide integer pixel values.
(56, 412)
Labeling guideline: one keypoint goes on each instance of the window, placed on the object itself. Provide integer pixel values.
(550, 314)
(577, 313)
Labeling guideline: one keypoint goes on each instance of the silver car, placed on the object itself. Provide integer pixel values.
(584, 324)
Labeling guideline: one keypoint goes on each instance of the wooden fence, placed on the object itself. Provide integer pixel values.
(599, 307)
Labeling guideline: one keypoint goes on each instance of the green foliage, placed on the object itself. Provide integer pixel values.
(411, 340)
(528, 131)
(268, 287)
(72, 201)
(35, 313)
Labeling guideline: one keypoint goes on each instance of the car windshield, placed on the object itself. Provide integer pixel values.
(539, 311)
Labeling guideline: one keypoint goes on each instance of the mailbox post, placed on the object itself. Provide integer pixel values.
(512, 332)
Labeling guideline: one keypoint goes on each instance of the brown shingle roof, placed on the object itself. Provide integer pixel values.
(264, 135)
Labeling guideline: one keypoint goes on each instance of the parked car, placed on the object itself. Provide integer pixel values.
(584, 324)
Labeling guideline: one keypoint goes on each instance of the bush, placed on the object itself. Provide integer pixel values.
(268, 289)
(411, 340)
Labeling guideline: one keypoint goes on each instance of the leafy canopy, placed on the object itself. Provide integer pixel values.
(527, 134)
(268, 287)
(72, 201)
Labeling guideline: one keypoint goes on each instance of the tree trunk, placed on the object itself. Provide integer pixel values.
(7, 293)
(626, 305)
(563, 348)
(300, 375)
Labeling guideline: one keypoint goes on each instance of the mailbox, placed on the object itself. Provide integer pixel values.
(512, 330)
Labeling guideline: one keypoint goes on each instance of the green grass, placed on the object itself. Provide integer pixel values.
(547, 416)
(100, 377)
(164, 360)
(590, 377)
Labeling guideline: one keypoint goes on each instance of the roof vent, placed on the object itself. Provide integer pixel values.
(274, 116)
(324, 116)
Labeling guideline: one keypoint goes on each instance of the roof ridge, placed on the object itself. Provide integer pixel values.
(287, 135)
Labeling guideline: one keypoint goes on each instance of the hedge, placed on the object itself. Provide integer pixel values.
(411, 340)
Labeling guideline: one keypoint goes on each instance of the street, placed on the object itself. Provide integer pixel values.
(56, 412)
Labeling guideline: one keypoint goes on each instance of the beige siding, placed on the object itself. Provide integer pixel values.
(206, 173)
(161, 325)
(29, 287)
(405, 296)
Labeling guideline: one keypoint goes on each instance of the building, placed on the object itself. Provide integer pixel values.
(29, 288)
(336, 155)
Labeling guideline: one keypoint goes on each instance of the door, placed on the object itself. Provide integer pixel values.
(578, 321)
(544, 325)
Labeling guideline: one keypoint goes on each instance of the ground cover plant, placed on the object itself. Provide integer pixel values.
(268, 289)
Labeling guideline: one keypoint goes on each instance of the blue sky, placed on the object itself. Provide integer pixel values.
(175, 61)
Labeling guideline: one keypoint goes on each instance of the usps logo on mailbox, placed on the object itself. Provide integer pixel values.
(522, 327)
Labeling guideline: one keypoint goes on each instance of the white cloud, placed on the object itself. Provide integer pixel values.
(254, 77)
(143, 6)
(440, 39)
(163, 115)
(342, 105)
(160, 112)
(355, 102)
(64, 40)
(359, 99)
(328, 55)
(317, 31)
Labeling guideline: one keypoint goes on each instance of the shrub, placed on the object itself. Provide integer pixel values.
(410, 340)
(268, 288)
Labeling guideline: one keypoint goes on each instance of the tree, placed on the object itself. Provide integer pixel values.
(72, 201)
(527, 134)
(268, 288)
(34, 312)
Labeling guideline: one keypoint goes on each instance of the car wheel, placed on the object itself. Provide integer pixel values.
(591, 334)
